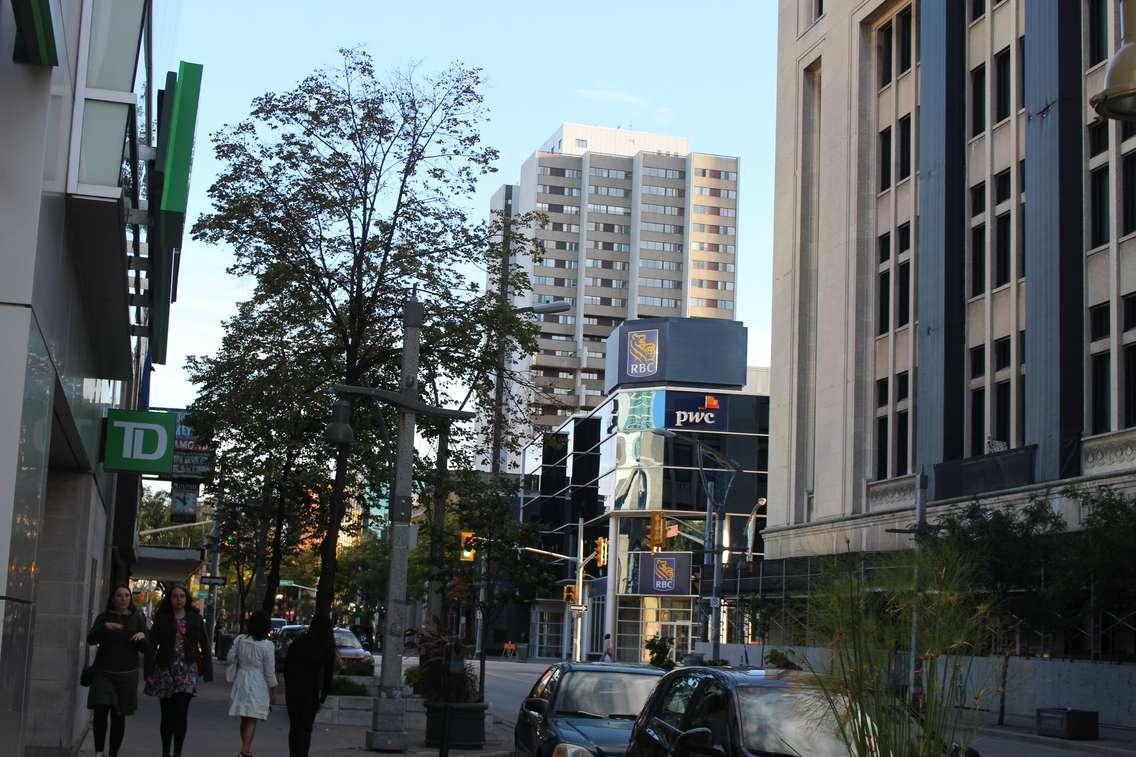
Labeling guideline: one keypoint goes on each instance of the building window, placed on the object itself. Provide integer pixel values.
(906, 35)
(1001, 353)
(884, 242)
(977, 260)
(1098, 137)
(1127, 130)
(1002, 187)
(884, 298)
(1021, 412)
(1002, 411)
(977, 421)
(978, 199)
(977, 8)
(883, 51)
(903, 241)
(881, 448)
(1129, 311)
(902, 388)
(901, 443)
(1003, 95)
(582, 143)
(1021, 72)
(882, 392)
(1002, 250)
(885, 159)
(978, 361)
(1101, 379)
(1099, 322)
(818, 9)
(905, 147)
(978, 100)
(1128, 194)
(1021, 240)
(1098, 193)
(1022, 347)
(1130, 386)
(1098, 30)
(903, 296)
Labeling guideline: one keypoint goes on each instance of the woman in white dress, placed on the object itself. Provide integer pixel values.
(252, 671)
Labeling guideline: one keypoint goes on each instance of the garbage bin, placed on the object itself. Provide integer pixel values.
(522, 652)
(1062, 723)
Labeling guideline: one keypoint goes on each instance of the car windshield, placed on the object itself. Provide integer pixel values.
(604, 693)
(783, 721)
(346, 639)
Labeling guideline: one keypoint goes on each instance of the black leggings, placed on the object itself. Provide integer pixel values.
(117, 728)
(175, 720)
(301, 718)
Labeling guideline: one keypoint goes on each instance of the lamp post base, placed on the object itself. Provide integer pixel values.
(388, 720)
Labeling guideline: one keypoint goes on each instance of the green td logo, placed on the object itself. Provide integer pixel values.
(139, 441)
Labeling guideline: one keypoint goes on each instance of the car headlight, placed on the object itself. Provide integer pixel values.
(571, 750)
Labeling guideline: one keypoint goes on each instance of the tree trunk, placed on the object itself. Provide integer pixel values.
(325, 589)
(272, 581)
(1002, 690)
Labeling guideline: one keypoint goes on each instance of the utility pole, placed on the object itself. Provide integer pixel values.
(715, 555)
(441, 492)
(915, 673)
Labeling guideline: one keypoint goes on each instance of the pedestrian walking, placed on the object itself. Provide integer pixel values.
(308, 669)
(252, 671)
(181, 657)
(609, 650)
(120, 633)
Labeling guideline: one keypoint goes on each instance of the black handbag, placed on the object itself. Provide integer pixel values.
(87, 676)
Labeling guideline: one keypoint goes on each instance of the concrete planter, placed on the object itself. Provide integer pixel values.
(464, 724)
(342, 710)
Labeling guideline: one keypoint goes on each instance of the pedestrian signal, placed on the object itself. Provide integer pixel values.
(570, 594)
(468, 552)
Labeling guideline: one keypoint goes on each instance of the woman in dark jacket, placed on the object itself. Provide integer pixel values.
(181, 655)
(120, 633)
(308, 669)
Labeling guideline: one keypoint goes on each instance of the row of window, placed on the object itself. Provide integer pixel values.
(714, 247)
(902, 389)
(1003, 88)
(714, 210)
(902, 439)
(592, 281)
(609, 246)
(613, 302)
(553, 281)
(611, 228)
(1100, 322)
(710, 265)
(573, 228)
(729, 194)
(548, 207)
(903, 156)
(1100, 231)
(661, 283)
(662, 228)
(1097, 136)
(608, 173)
(902, 242)
(709, 228)
(712, 284)
(1001, 355)
(667, 210)
(546, 298)
(614, 210)
(648, 244)
(658, 302)
(558, 263)
(900, 38)
(1001, 430)
(554, 189)
(664, 173)
(560, 244)
(589, 320)
(652, 189)
(613, 265)
(1003, 268)
(702, 302)
(713, 173)
(605, 191)
(903, 299)
(568, 173)
(1002, 189)
(660, 265)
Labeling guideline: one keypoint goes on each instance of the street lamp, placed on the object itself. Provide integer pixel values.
(541, 308)
(1118, 98)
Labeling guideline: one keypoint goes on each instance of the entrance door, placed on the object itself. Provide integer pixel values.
(683, 639)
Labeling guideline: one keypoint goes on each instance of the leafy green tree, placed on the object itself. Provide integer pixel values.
(363, 571)
(154, 512)
(343, 196)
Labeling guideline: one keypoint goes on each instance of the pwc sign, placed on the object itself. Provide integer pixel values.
(691, 410)
(139, 441)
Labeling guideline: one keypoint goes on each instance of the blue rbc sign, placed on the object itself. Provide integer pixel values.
(663, 576)
(643, 353)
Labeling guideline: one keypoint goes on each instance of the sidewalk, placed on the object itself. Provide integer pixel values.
(1021, 728)
(213, 732)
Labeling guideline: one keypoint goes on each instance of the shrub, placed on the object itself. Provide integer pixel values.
(659, 647)
(365, 667)
(345, 687)
(775, 658)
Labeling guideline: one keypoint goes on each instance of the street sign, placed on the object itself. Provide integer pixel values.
(213, 580)
(578, 608)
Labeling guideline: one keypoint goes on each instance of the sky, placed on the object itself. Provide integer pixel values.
(704, 70)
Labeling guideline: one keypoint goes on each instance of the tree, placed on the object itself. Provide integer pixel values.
(154, 512)
(364, 568)
(341, 194)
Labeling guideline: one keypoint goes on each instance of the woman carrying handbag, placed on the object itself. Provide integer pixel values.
(182, 655)
(252, 671)
(120, 633)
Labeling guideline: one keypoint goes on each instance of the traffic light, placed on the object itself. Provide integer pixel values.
(570, 594)
(601, 551)
(656, 532)
(468, 553)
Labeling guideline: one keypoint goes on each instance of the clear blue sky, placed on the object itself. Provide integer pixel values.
(704, 70)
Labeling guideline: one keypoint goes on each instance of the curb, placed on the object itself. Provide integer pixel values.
(1081, 747)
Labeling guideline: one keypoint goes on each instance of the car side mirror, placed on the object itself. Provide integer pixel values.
(536, 706)
(697, 740)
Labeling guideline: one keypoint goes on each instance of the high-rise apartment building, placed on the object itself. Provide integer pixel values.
(954, 264)
(638, 226)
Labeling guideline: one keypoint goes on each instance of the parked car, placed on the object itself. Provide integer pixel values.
(578, 709)
(735, 712)
(351, 650)
(277, 624)
(283, 638)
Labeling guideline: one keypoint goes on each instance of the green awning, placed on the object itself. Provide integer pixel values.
(35, 33)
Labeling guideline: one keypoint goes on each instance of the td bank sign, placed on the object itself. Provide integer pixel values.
(138, 441)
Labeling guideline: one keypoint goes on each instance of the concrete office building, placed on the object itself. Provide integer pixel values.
(639, 226)
(89, 270)
(634, 459)
(960, 298)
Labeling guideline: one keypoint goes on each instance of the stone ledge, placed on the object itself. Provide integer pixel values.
(1109, 453)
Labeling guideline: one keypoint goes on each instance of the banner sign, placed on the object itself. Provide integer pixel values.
(696, 411)
(139, 441)
(191, 454)
(183, 501)
(664, 573)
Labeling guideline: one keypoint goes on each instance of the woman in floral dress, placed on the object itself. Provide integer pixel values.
(181, 655)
